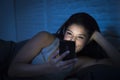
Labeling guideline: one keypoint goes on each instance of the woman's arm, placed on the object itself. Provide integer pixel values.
(84, 62)
(111, 51)
(20, 65)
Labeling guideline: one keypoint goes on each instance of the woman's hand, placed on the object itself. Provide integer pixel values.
(94, 36)
(55, 64)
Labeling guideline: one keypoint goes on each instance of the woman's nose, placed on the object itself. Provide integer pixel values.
(73, 39)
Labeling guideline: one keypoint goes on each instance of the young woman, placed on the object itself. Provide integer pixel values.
(40, 55)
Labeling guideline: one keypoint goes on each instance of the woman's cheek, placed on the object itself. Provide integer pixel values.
(79, 46)
(65, 38)
(78, 49)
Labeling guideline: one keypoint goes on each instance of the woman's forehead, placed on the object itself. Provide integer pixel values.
(78, 29)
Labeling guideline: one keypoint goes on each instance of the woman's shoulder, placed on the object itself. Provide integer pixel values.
(45, 33)
(43, 37)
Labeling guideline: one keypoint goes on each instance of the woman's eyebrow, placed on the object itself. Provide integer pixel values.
(69, 30)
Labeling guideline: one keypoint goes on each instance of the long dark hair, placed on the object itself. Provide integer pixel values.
(90, 24)
(84, 19)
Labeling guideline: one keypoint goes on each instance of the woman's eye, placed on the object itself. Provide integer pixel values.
(69, 33)
(80, 37)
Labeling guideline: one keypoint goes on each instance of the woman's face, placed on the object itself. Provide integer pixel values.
(78, 34)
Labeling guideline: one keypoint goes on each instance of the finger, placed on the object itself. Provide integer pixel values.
(67, 66)
(55, 54)
(62, 56)
(60, 64)
(65, 63)
(71, 61)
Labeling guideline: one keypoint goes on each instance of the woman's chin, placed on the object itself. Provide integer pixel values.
(76, 51)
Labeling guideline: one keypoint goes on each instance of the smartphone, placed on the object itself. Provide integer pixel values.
(67, 45)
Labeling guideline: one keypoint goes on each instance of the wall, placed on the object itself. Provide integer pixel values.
(7, 20)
